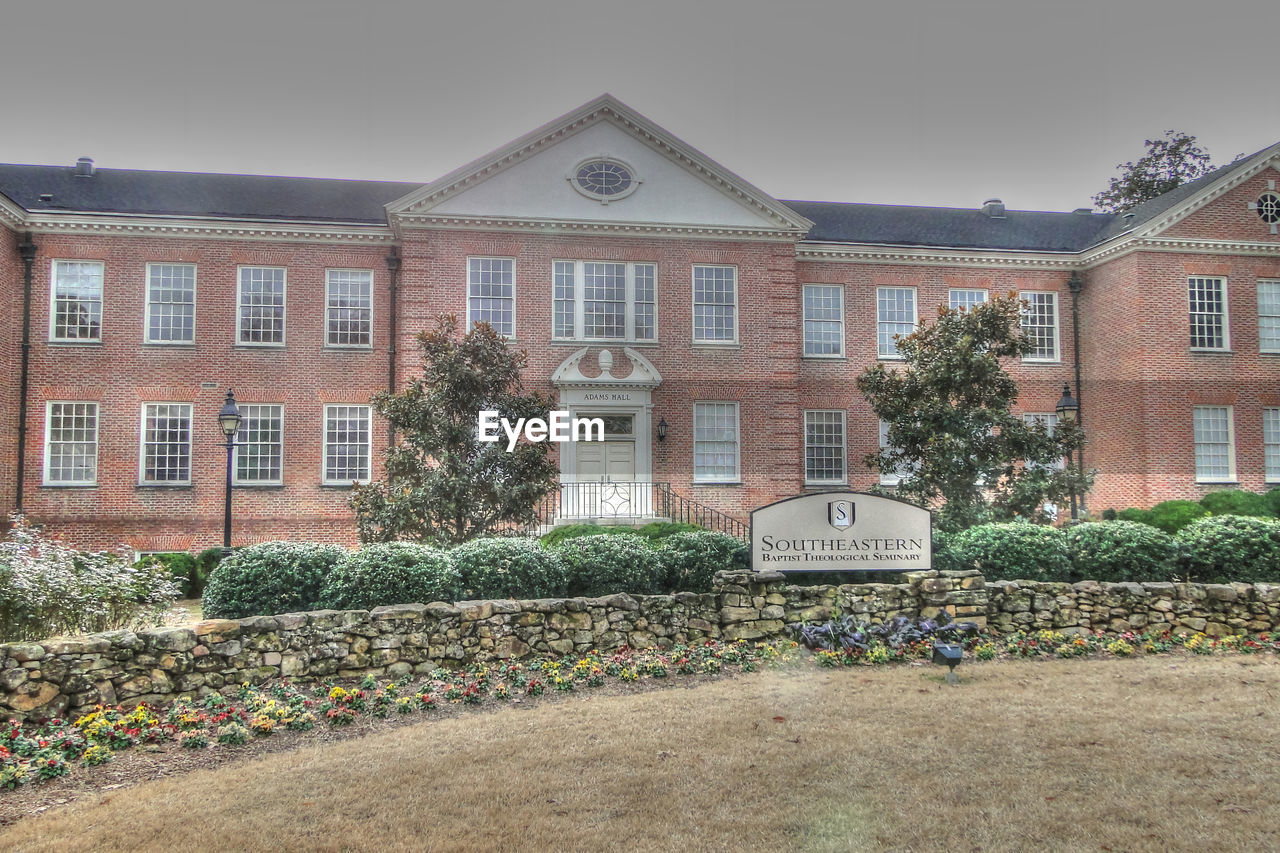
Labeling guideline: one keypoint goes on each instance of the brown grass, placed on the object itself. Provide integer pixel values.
(1151, 754)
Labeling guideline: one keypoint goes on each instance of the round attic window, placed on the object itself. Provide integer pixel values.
(1269, 208)
(604, 179)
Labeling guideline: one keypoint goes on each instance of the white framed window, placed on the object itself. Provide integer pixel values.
(259, 452)
(715, 304)
(1207, 301)
(823, 319)
(261, 300)
(171, 304)
(348, 444)
(1269, 316)
(1048, 420)
(70, 443)
(1271, 444)
(824, 448)
(895, 316)
(1214, 444)
(715, 443)
(165, 458)
(76, 300)
(348, 313)
(1040, 323)
(894, 477)
(491, 294)
(604, 300)
(965, 299)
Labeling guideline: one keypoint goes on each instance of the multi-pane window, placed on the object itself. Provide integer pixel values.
(959, 299)
(261, 306)
(597, 300)
(348, 308)
(1048, 420)
(171, 303)
(71, 444)
(715, 304)
(823, 319)
(824, 447)
(1214, 443)
(491, 294)
(715, 442)
(77, 301)
(1040, 324)
(891, 477)
(260, 445)
(1207, 300)
(895, 316)
(347, 444)
(1271, 444)
(1269, 316)
(166, 443)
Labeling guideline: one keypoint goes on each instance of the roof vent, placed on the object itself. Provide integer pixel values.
(994, 208)
(1128, 217)
(46, 197)
(1083, 211)
(84, 167)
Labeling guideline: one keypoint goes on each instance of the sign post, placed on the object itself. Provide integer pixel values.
(841, 532)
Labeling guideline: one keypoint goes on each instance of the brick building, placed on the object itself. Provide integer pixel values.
(649, 285)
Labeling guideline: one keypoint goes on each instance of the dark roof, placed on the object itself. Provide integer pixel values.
(200, 194)
(896, 225)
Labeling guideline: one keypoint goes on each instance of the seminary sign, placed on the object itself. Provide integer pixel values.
(841, 531)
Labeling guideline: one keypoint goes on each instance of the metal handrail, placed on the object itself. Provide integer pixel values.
(591, 502)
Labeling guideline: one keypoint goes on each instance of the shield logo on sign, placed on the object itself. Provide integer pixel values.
(840, 514)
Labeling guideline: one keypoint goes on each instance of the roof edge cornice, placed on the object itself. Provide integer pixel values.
(415, 222)
(873, 253)
(206, 228)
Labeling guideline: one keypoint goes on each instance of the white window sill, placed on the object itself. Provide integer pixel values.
(347, 347)
(1231, 482)
(1212, 351)
(279, 346)
(92, 485)
(59, 342)
(1042, 361)
(818, 357)
(257, 485)
(827, 485)
(603, 342)
(716, 344)
(717, 482)
(188, 344)
(184, 486)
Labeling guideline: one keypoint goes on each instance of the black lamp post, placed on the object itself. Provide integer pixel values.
(1069, 412)
(662, 430)
(229, 422)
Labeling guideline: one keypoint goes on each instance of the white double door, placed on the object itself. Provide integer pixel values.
(605, 472)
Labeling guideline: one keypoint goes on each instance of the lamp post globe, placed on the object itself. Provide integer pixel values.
(229, 422)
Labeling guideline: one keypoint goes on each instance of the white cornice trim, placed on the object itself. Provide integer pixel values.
(1266, 158)
(589, 226)
(12, 215)
(1180, 245)
(870, 253)
(603, 108)
(207, 228)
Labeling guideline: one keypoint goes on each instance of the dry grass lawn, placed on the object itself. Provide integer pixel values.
(1163, 753)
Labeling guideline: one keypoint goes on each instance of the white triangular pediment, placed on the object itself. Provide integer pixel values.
(642, 374)
(1267, 159)
(531, 180)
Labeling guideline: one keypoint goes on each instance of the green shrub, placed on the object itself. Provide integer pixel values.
(181, 566)
(273, 577)
(656, 531)
(944, 555)
(1237, 502)
(1121, 551)
(1273, 501)
(1141, 516)
(509, 568)
(1172, 516)
(391, 573)
(206, 561)
(1227, 548)
(566, 532)
(692, 558)
(1109, 515)
(603, 565)
(1013, 551)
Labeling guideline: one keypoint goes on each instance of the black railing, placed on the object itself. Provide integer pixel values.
(631, 502)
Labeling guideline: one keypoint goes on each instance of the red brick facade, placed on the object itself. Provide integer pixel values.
(1141, 380)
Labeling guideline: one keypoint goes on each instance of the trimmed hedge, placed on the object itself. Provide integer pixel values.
(181, 566)
(1227, 548)
(1172, 516)
(566, 532)
(391, 573)
(1237, 502)
(1120, 551)
(1013, 551)
(509, 568)
(692, 558)
(603, 565)
(274, 577)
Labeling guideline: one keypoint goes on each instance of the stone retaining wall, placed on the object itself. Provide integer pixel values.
(69, 675)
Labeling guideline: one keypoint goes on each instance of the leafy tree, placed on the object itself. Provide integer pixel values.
(442, 483)
(1169, 162)
(952, 435)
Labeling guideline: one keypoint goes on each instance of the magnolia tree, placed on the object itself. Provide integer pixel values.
(953, 437)
(48, 588)
(442, 482)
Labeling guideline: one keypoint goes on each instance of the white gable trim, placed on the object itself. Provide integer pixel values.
(604, 108)
(1267, 158)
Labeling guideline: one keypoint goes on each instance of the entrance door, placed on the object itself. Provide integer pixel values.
(605, 471)
(606, 461)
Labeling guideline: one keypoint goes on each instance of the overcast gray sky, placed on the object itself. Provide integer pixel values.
(937, 102)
